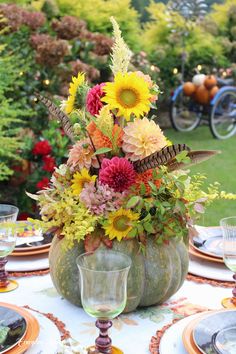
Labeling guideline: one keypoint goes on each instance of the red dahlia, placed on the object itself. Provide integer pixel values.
(118, 173)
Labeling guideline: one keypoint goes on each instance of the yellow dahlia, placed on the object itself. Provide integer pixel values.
(79, 180)
(76, 82)
(120, 223)
(129, 94)
(142, 138)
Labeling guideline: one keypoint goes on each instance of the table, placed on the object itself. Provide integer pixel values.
(131, 332)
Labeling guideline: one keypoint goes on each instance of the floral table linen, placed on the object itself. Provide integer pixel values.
(132, 332)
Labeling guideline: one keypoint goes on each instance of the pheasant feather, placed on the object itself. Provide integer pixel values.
(195, 157)
(58, 114)
(162, 157)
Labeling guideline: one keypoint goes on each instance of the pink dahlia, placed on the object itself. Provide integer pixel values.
(93, 100)
(118, 173)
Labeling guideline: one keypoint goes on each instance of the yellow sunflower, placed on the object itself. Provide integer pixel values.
(76, 82)
(120, 223)
(79, 180)
(129, 94)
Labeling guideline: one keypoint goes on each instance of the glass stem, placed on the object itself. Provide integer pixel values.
(3, 273)
(103, 342)
(234, 289)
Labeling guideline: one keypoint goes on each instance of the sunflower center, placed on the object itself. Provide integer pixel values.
(121, 223)
(128, 97)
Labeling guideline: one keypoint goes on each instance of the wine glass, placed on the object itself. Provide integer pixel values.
(8, 215)
(103, 276)
(228, 226)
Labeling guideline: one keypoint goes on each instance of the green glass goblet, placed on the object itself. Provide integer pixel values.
(103, 276)
(8, 215)
(228, 226)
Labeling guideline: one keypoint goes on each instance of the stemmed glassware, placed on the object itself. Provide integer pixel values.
(103, 276)
(228, 226)
(8, 215)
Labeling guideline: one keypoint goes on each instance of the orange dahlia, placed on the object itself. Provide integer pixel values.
(100, 140)
(144, 178)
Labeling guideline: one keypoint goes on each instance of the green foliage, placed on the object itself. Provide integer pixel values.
(98, 16)
(17, 44)
(11, 113)
(223, 17)
(166, 36)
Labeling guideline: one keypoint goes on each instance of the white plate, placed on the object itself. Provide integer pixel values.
(28, 239)
(206, 232)
(28, 263)
(171, 342)
(209, 270)
(49, 336)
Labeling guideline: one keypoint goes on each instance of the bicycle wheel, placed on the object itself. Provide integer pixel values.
(223, 115)
(185, 113)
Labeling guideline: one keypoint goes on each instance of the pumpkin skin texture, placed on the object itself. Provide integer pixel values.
(210, 81)
(189, 88)
(213, 91)
(152, 279)
(64, 271)
(202, 95)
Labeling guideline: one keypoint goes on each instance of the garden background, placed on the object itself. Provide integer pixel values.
(43, 43)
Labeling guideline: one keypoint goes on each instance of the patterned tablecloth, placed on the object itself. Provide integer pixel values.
(131, 332)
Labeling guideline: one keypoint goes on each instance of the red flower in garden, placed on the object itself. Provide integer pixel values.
(23, 216)
(93, 100)
(43, 184)
(49, 163)
(42, 148)
(118, 173)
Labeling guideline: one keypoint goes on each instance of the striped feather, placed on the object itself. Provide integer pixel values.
(162, 157)
(58, 114)
(195, 157)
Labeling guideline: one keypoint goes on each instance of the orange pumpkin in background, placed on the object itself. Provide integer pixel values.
(213, 91)
(202, 95)
(189, 88)
(210, 81)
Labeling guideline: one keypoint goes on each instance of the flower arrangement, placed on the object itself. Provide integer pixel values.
(123, 178)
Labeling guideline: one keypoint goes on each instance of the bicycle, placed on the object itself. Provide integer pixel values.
(186, 114)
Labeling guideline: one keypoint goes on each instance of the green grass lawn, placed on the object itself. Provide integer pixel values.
(220, 168)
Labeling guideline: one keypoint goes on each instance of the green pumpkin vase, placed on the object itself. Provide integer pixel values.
(153, 277)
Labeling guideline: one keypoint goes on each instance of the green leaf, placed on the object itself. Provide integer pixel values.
(180, 206)
(140, 229)
(148, 227)
(183, 178)
(153, 186)
(133, 233)
(155, 175)
(182, 157)
(142, 188)
(133, 201)
(147, 218)
(102, 151)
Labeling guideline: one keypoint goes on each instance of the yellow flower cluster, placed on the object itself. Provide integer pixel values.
(70, 215)
(229, 196)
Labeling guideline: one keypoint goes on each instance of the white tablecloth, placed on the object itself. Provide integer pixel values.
(131, 332)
